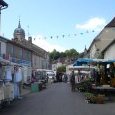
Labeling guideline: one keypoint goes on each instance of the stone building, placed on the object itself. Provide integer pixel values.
(24, 52)
(109, 51)
(19, 48)
(3, 43)
(102, 40)
(40, 58)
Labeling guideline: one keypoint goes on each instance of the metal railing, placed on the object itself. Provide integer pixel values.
(20, 61)
(16, 60)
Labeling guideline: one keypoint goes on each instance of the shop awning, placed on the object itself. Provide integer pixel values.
(81, 61)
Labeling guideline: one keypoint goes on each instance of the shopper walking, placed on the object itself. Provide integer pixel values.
(72, 81)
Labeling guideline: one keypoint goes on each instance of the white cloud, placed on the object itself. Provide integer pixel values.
(41, 42)
(92, 24)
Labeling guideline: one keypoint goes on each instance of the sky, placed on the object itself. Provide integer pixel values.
(58, 24)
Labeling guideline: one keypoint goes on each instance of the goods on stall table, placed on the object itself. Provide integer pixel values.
(113, 82)
(9, 91)
(1, 93)
(10, 77)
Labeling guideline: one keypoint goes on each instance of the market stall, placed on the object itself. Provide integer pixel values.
(82, 72)
(103, 76)
(6, 85)
(10, 79)
(104, 71)
(39, 79)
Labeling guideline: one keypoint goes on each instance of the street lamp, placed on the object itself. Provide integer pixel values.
(3, 5)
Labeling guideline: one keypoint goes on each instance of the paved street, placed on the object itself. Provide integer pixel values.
(57, 99)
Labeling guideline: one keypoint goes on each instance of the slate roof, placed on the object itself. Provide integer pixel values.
(111, 23)
(109, 46)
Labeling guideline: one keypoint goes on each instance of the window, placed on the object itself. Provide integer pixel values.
(26, 55)
(9, 49)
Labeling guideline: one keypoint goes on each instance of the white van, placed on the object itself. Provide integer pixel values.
(51, 75)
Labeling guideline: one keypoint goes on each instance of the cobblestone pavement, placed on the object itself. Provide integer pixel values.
(57, 99)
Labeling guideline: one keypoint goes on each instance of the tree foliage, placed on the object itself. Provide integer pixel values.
(54, 55)
(61, 69)
(72, 53)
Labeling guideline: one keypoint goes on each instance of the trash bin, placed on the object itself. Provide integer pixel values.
(35, 87)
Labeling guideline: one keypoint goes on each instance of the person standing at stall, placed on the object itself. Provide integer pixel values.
(17, 82)
(65, 78)
(72, 81)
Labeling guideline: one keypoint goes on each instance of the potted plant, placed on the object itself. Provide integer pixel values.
(91, 98)
(100, 99)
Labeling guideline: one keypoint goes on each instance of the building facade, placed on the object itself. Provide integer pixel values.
(22, 51)
(29, 52)
(18, 53)
(3, 43)
(19, 48)
(102, 40)
(109, 51)
(40, 58)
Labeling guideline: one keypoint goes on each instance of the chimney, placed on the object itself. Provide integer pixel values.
(30, 39)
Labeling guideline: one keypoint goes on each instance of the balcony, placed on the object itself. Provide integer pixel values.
(21, 62)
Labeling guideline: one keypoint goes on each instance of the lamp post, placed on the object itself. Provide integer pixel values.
(3, 5)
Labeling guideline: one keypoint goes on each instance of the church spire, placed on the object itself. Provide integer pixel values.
(85, 48)
(19, 25)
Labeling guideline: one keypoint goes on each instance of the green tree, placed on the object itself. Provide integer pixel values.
(54, 55)
(67, 52)
(61, 69)
(62, 54)
(71, 54)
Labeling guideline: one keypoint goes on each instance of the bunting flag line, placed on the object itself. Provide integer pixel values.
(67, 35)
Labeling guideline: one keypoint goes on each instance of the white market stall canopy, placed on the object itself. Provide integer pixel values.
(71, 67)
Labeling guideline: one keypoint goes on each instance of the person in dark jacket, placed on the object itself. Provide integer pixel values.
(72, 81)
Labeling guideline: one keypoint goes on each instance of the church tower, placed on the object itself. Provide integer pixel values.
(19, 33)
